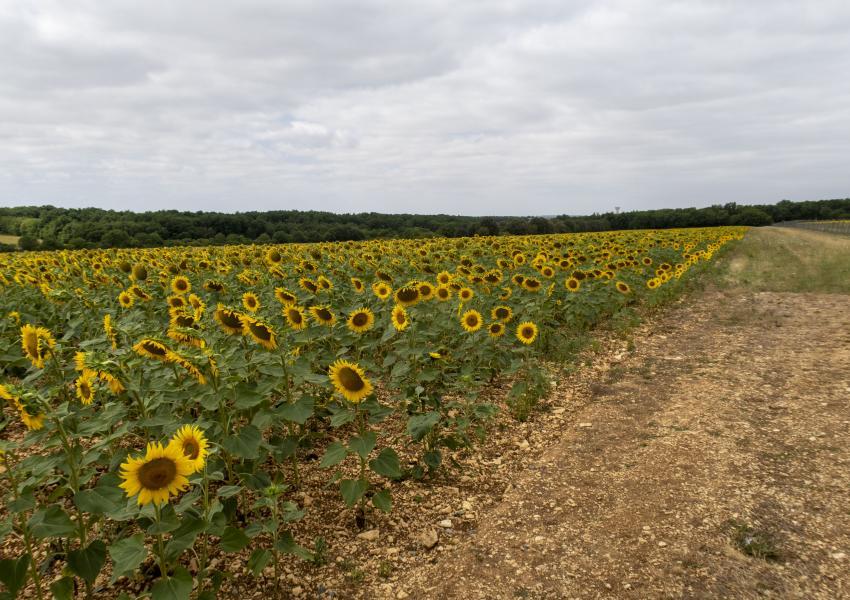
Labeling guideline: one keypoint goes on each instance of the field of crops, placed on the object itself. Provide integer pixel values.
(160, 404)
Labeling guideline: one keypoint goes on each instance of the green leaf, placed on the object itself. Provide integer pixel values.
(13, 573)
(418, 426)
(433, 458)
(234, 540)
(386, 464)
(363, 444)
(51, 522)
(383, 501)
(127, 554)
(226, 491)
(340, 415)
(259, 559)
(63, 589)
(168, 521)
(299, 411)
(247, 398)
(334, 455)
(286, 544)
(88, 563)
(352, 490)
(244, 444)
(176, 587)
(184, 536)
(99, 500)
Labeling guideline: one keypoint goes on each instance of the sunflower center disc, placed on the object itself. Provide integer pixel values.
(158, 473)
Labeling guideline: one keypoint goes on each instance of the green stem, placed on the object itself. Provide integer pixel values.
(36, 577)
(159, 547)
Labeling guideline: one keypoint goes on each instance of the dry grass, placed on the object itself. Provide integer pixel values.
(8, 239)
(773, 259)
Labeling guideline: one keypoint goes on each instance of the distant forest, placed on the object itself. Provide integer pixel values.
(48, 227)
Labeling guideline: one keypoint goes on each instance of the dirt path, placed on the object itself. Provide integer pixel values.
(729, 421)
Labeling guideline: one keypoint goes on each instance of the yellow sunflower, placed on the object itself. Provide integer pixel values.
(37, 344)
(361, 320)
(465, 294)
(260, 332)
(193, 444)
(426, 291)
(295, 316)
(572, 284)
(357, 284)
(496, 329)
(443, 293)
(85, 386)
(502, 313)
(110, 332)
(250, 301)
(153, 349)
(407, 296)
(526, 332)
(160, 474)
(471, 321)
(229, 319)
(323, 315)
(623, 287)
(125, 300)
(284, 296)
(381, 290)
(308, 285)
(349, 380)
(180, 285)
(399, 318)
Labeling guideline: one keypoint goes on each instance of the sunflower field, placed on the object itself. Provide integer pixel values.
(160, 405)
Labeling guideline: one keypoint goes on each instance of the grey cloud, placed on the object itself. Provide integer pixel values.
(491, 107)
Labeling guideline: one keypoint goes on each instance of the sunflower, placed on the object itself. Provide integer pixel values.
(399, 318)
(323, 315)
(465, 294)
(407, 295)
(502, 313)
(443, 293)
(32, 420)
(349, 380)
(139, 273)
(193, 444)
(273, 256)
(37, 344)
(229, 319)
(623, 287)
(361, 320)
(526, 332)
(139, 293)
(153, 349)
(261, 333)
(444, 277)
(197, 304)
(295, 316)
(85, 387)
(324, 283)
(160, 474)
(213, 285)
(176, 301)
(308, 285)
(357, 284)
(496, 329)
(125, 300)
(426, 291)
(180, 285)
(381, 290)
(572, 284)
(471, 321)
(110, 332)
(284, 296)
(250, 301)
(653, 283)
(531, 284)
(506, 294)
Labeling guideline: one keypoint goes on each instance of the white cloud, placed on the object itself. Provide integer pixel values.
(461, 107)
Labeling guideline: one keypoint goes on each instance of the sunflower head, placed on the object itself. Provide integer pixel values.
(180, 285)
(85, 386)
(37, 344)
(357, 284)
(153, 349)
(407, 296)
(158, 475)
(465, 294)
(250, 301)
(193, 444)
(496, 329)
(443, 293)
(572, 284)
(284, 296)
(471, 321)
(502, 313)
(361, 320)
(349, 380)
(399, 318)
(260, 332)
(229, 319)
(323, 315)
(526, 332)
(125, 299)
(623, 287)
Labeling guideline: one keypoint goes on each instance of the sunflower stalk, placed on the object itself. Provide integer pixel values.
(24, 527)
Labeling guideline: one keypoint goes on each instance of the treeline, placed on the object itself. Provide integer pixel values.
(49, 227)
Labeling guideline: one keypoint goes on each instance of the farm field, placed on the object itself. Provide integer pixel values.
(331, 392)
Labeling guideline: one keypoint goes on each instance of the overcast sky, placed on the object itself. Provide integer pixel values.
(491, 107)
